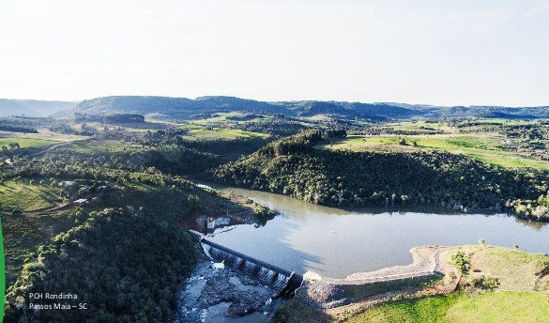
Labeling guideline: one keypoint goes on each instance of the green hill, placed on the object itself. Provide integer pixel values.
(292, 166)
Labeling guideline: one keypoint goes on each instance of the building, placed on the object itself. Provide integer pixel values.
(81, 201)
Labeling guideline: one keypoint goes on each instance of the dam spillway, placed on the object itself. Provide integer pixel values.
(283, 280)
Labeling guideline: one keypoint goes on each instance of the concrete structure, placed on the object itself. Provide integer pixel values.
(269, 274)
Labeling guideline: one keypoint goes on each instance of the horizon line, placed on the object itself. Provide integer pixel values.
(276, 101)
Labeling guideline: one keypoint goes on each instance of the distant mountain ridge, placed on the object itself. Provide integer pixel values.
(184, 108)
(33, 108)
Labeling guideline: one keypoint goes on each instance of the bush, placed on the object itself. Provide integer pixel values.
(461, 261)
(485, 283)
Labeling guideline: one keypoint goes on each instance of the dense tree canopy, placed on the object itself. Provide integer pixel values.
(341, 178)
(126, 267)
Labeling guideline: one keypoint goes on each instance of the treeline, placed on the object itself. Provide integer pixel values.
(348, 179)
(173, 154)
(535, 130)
(385, 130)
(537, 209)
(48, 168)
(245, 117)
(113, 118)
(11, 145)
(67, 129)
(300, 143)
(528, 132)
(15, 125)
(164, 157)
(276, 126)
(126, 267)
(279, 126)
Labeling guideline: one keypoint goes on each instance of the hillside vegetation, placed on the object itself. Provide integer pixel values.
(507, 143)
(11, 107)
(127, 267)
(292, 166)
(125, 251)
(16, 195)
(485, 149)
(183, 108)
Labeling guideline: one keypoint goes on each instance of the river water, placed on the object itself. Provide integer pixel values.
(335, 242)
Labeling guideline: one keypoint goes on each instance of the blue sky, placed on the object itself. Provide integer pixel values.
(438, 52)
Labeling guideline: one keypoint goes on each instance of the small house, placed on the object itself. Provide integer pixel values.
(81, 202)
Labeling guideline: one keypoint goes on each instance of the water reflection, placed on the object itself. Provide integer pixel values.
(336, 242)
(269, 243)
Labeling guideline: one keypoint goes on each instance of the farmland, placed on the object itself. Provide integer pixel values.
(490, 141)
(484, 307)
(26, 196)
(483, 148)
(25, 142)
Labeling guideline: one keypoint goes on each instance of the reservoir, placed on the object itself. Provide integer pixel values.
(335, 243)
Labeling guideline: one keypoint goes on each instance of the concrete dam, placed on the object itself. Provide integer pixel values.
(285, 281)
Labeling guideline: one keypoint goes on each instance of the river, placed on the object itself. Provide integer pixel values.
(336, 243)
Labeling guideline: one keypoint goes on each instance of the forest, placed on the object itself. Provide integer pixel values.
(128, 277)
(17, 125)
(292, 166)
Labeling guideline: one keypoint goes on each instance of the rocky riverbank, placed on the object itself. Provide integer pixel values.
(215, 293)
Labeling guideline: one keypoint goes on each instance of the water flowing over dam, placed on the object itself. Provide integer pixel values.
(285, 281)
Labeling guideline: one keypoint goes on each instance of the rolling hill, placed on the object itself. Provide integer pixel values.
(34, 108)
(184, 108)
(172, 108)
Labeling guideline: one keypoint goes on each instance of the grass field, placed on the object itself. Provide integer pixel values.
(90, 146)
(445, 127)
(26, 197)
(421, 126)
(23, 233)
(26, 142)
(232, 117)
(488, 149)
(195, 131)
(520, 296)
(515, 270)
(46, 134)
(484, 307)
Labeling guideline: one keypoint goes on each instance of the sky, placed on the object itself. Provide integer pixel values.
(434, 52)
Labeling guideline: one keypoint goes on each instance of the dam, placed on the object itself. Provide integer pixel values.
(281, 279)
